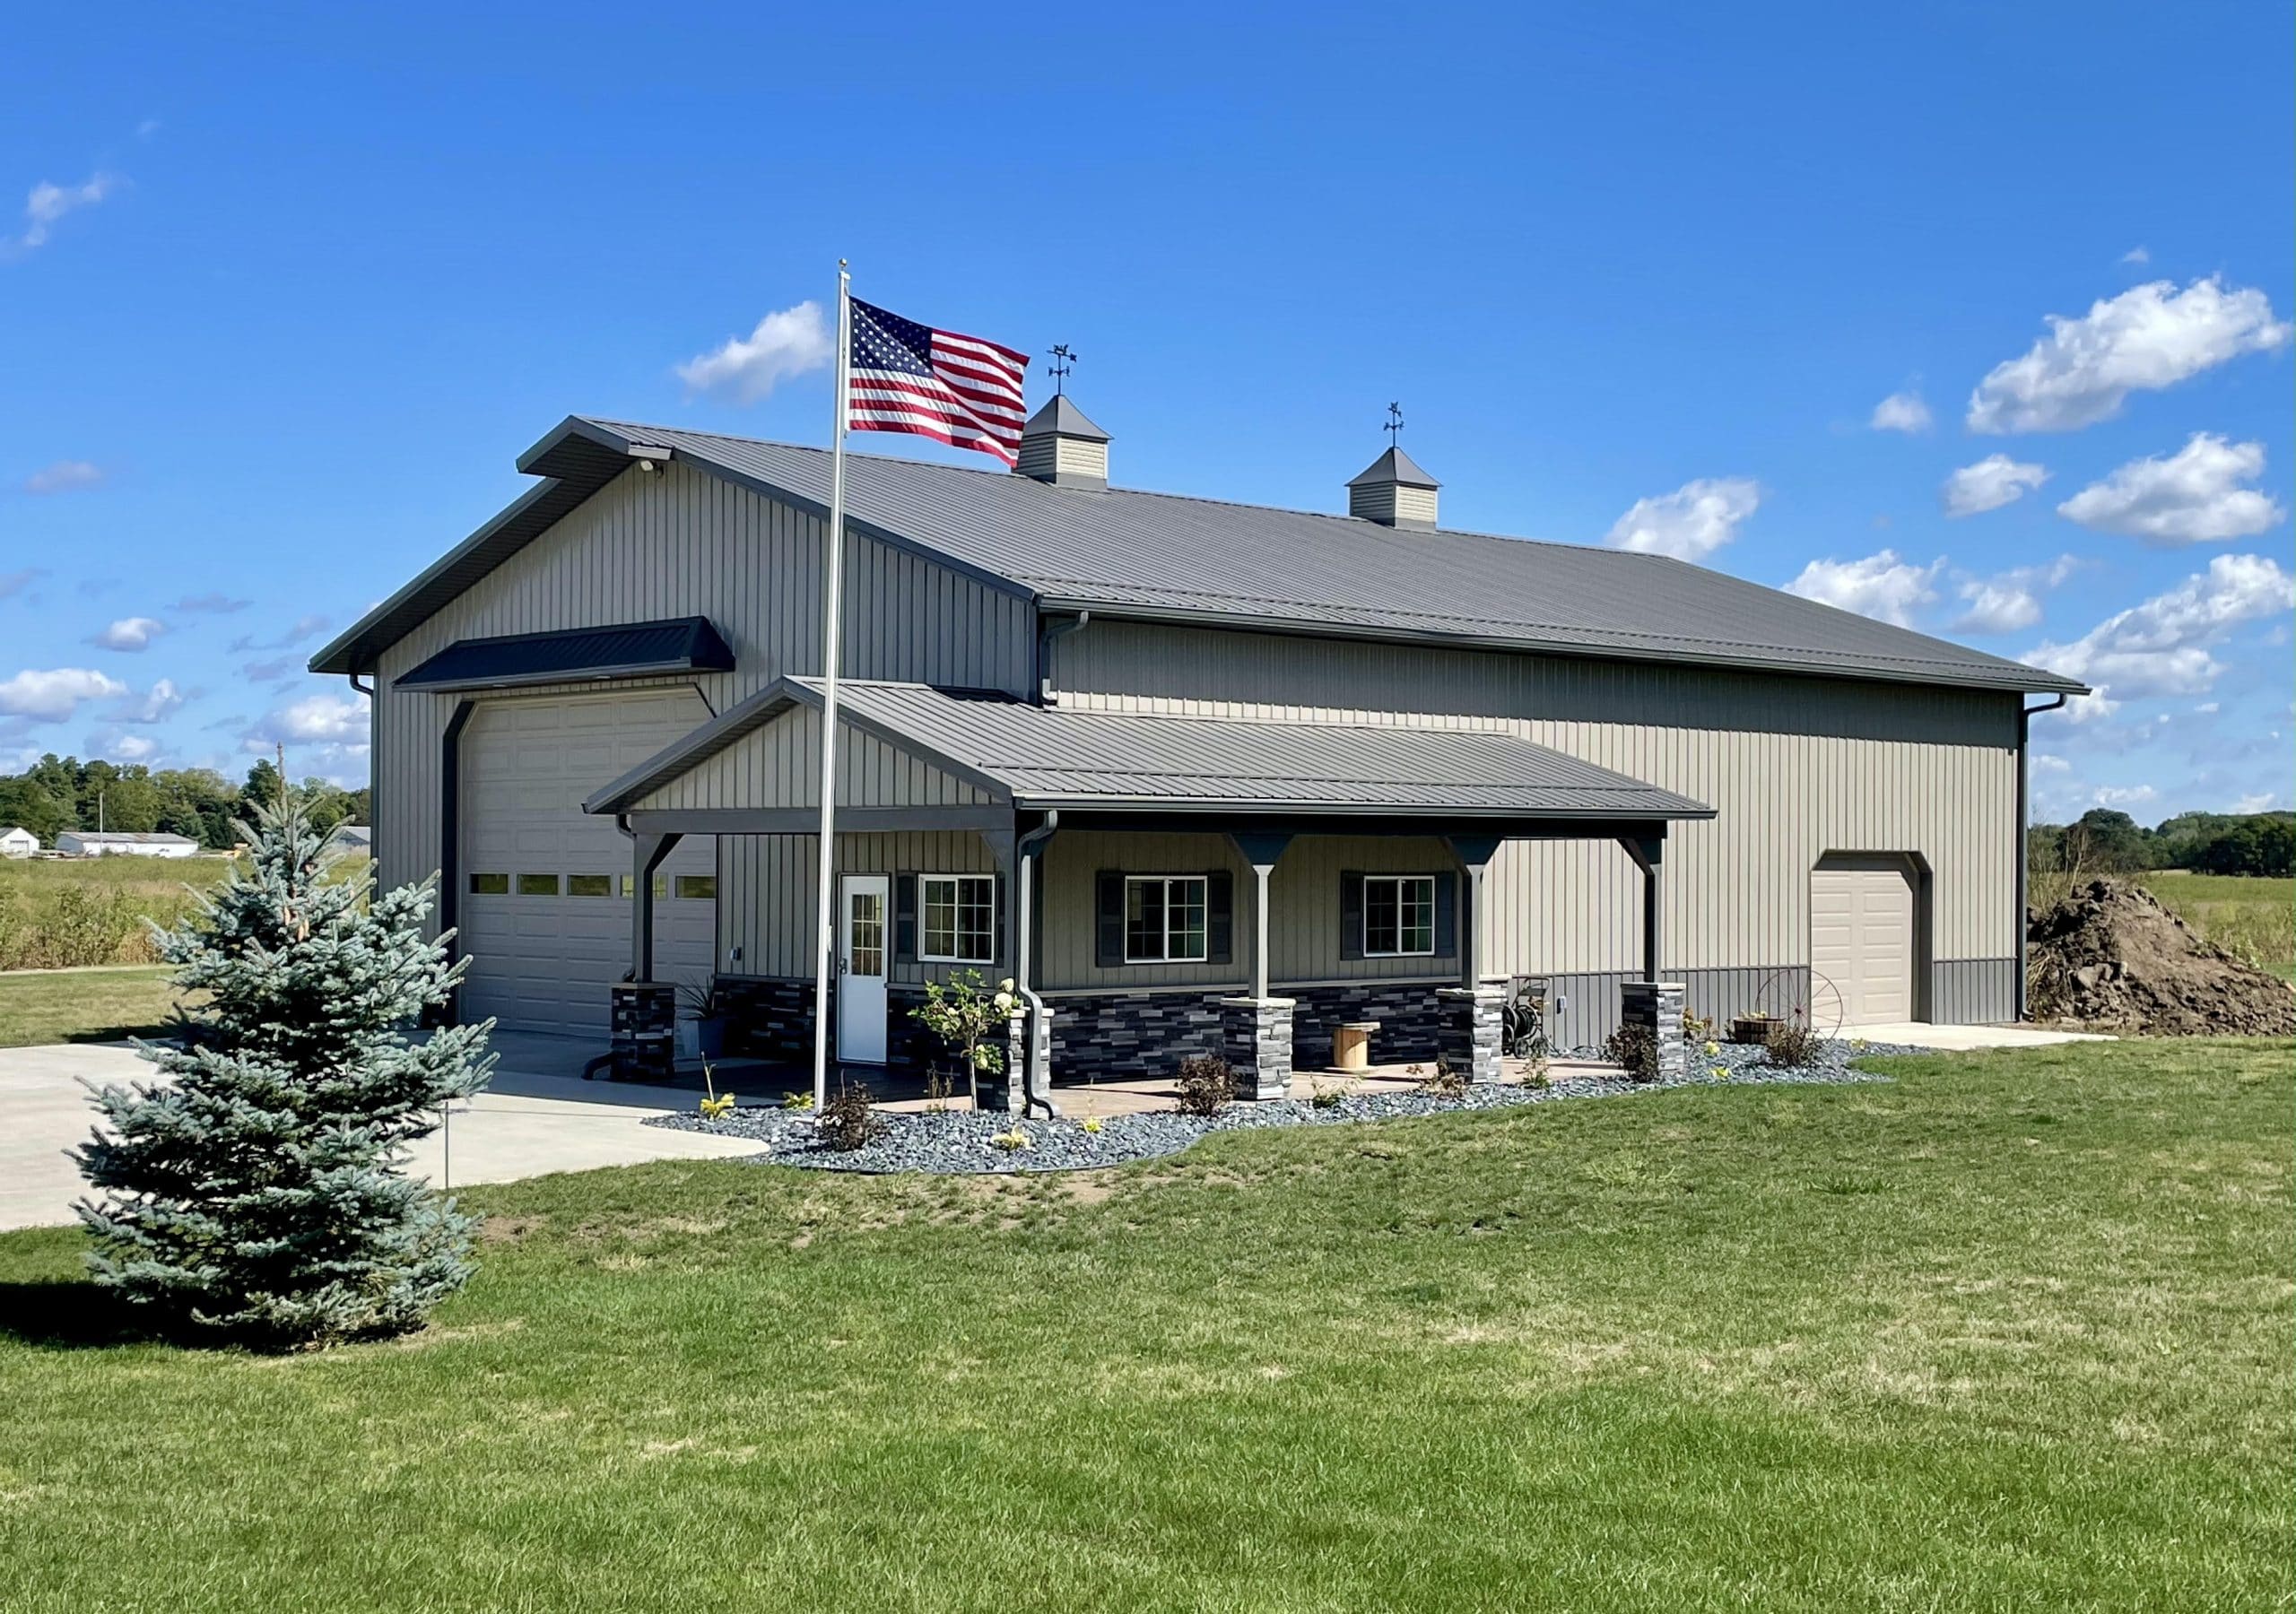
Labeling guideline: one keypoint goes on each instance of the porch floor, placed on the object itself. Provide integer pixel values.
(1144, 1094)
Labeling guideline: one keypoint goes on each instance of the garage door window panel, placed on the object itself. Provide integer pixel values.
(537, 885)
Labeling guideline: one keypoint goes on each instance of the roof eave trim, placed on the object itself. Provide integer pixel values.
(1039, 801)
(2038, 680)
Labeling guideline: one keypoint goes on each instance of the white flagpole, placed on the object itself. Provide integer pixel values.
(832, 613)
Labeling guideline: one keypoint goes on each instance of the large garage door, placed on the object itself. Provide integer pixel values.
(1861, 941)
(546, 904)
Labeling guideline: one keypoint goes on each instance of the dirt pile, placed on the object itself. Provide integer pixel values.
(2110, 956)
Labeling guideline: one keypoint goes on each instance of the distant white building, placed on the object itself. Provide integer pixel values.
(123, 843)
(351, 840)
(16, 841)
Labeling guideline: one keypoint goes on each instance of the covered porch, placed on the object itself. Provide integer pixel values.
(1154, 886)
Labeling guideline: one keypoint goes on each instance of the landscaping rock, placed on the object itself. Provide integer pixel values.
(2110, 956)
(964, 1141)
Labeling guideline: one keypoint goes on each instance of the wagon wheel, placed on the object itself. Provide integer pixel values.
(1826, 1006)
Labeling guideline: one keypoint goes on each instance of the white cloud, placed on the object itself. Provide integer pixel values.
(118, 747)
(2008, 602)
(1901, 412)
(2149, 337)
(130, 633)
(2164, 646)
(2045, 762)
(2123, 795)
(56, 693)
(2136, 255)
(747, 367)
(160, 701)
(1994, 480)
(312, 720)
(2263, 800)
(2209, 709)
(48, 203)
(64, 476)
(1690, 522)
(216, 604)
(2194, 496)
(1882, 585)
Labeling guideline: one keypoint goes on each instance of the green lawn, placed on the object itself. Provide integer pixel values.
(83, 1005)
(2253, 918)
(2014, 1332)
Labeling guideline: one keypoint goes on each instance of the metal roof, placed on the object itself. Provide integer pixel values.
(1064, 419)
(1041, 757)
(679, 644)
(1393, 466)
(1120, 553)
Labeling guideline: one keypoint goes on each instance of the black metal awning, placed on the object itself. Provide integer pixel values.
(626, 650)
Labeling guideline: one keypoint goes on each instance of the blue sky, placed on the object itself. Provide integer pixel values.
(284, 292)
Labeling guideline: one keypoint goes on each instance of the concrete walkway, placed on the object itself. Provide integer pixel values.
(538, 1117)
(1961, 1039)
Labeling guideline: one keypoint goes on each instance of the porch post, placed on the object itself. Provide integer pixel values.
(1648, 853)
(647, 852)
(1473, 853)
(1256, 1030)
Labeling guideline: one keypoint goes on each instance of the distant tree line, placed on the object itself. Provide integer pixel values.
(57, 793)
(2101, 841)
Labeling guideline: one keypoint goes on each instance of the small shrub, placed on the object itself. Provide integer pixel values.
(1792, 1043)
(1696, 1028)
(796, 1101)
(716, 1105)
(1634, 1049)
(1445, 1083)
(1092, 1125)
(1010, 1141)
(1207, 1085)
(848, 1122)
(1535, 1074)
(1324, 1097)
(970, 1020)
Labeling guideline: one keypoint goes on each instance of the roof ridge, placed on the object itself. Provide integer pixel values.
(1356, 522)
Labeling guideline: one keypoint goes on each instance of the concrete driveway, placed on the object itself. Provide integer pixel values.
(538, 1117)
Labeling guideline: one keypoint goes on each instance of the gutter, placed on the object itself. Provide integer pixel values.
(1058, 629)
(2025, 716)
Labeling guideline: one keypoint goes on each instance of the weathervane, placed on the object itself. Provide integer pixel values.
(1064, 360)
(1394, 427)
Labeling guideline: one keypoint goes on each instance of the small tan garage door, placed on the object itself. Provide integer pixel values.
(544, 916)
(1861, 941)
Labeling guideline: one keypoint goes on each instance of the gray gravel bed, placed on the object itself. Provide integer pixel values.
(960, 1140)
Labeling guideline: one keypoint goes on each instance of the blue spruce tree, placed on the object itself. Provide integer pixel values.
(261, 1195)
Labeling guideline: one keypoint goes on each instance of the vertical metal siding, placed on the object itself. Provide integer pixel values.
(1795, 766)
(680, 544)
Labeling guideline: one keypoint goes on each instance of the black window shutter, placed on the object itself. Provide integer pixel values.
(1108, 931)
(1351, 914)
(1219, 916)
(997, 901)
(1447, 916)
(905, 919)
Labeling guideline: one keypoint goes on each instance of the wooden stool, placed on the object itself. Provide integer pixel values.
(1351, 1045)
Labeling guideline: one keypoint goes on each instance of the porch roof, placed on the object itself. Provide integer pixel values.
(1035, 757)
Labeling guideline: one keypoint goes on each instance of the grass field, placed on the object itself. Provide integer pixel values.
(2013, 1332)
(2253, 919)
(57, 914)
(84, 1005)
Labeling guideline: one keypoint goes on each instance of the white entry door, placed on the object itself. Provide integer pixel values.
(861, 969)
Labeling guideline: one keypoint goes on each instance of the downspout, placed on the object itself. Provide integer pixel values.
(1036, 1080)
(2025, 716)
(1058, 629)
(366, 690)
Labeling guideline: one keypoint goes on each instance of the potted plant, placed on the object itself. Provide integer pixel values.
(710, 1013)
(1753, 1027)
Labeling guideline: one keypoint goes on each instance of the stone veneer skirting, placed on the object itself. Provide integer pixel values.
(1116, 1036)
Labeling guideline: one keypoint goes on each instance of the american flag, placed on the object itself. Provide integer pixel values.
(910, 378)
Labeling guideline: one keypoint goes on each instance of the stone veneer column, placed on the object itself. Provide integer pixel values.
(644, 1030)
(1473, 1030)
(1007, 1090)
(1657, 1005)
(1255, 1035)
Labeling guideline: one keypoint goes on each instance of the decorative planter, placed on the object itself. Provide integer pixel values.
(1752, 1027)
(710, 1034)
